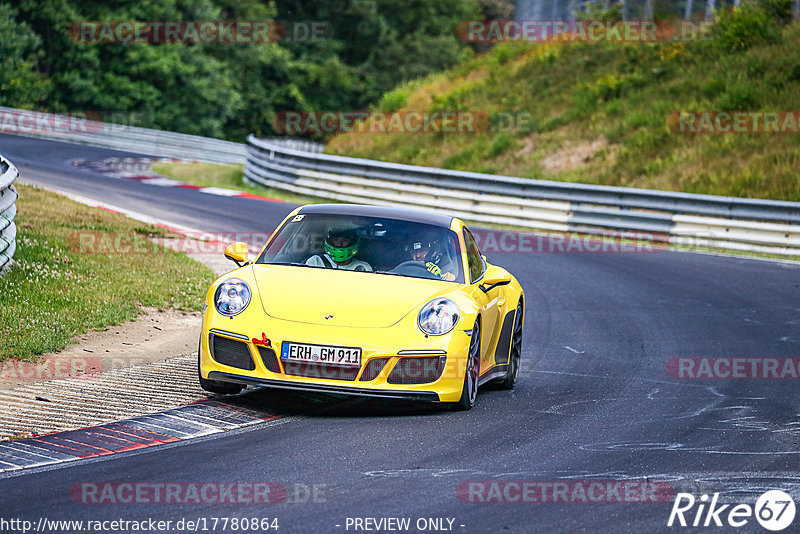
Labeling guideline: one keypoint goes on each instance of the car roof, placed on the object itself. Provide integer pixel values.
(402, 214)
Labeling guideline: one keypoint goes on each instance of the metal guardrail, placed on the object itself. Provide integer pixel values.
(8, 212)
(300, 167)
(679, 218)
(120, 137)
(295, 144)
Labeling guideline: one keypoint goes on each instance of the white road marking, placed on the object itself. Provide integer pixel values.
(220, 191)
(164, 182)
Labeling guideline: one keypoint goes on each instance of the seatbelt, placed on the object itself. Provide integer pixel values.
(328, 263)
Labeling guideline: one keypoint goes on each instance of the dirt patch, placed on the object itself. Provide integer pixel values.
(528, 146)
(573, 156)
(154, 335)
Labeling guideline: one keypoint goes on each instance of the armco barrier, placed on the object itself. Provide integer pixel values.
(129, 138)
(299, 166)
(681, 218)
(8, 211)
(132, 138)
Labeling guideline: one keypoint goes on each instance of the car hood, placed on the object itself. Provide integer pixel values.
(353, 299)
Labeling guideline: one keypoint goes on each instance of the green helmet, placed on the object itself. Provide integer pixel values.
(341, 244)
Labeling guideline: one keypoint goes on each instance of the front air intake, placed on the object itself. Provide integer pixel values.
(373, 369)
(270, 359)
(417, 370)
(231, 352)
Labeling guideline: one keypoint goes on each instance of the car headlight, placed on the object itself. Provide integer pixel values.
(232, 297)
(438, 317)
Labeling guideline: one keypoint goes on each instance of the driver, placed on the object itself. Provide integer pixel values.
(419, 250)
(341, 246)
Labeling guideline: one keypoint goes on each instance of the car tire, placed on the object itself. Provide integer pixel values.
(469, 392)
(213, 386)
(515, 353)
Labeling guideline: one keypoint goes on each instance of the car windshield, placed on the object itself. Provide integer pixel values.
(367, 244)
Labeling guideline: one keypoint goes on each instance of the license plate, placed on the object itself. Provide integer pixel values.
(330, 354)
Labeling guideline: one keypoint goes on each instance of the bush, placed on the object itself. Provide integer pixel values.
(393, 101)
(584, 102)
(745, 27)
(597, 12)
(713, 87)
(502, 143)
(778, 10)
(737, 98)
(612, 86)
(506, 51)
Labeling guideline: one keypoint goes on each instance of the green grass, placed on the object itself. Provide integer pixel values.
(228, 177)
(610, 103)
(54, 292)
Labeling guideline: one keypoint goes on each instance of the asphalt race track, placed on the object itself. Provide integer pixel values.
(594, 401)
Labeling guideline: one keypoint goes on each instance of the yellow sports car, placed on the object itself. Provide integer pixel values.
(364, 300)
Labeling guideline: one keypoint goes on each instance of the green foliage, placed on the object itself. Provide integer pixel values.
(604, 114)
(56, 291)
(778, 10)
(20, 85)
(745, 27)
(379, 44)
(452, 101)
(393, 100)
(737, 97)
(596, 11)
(500, 144)
(505, 51)
(607, 87)
(226, 90)
(611, 86)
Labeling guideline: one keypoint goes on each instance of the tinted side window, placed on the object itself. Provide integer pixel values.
(474, 259)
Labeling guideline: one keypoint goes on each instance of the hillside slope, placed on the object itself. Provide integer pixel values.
(600, 113)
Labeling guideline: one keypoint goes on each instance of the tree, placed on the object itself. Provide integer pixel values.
(20, 83)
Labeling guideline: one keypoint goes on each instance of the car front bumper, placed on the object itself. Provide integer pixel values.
(391, 345)
(429, 396)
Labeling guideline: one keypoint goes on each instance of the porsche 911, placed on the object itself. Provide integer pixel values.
(364, 300)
